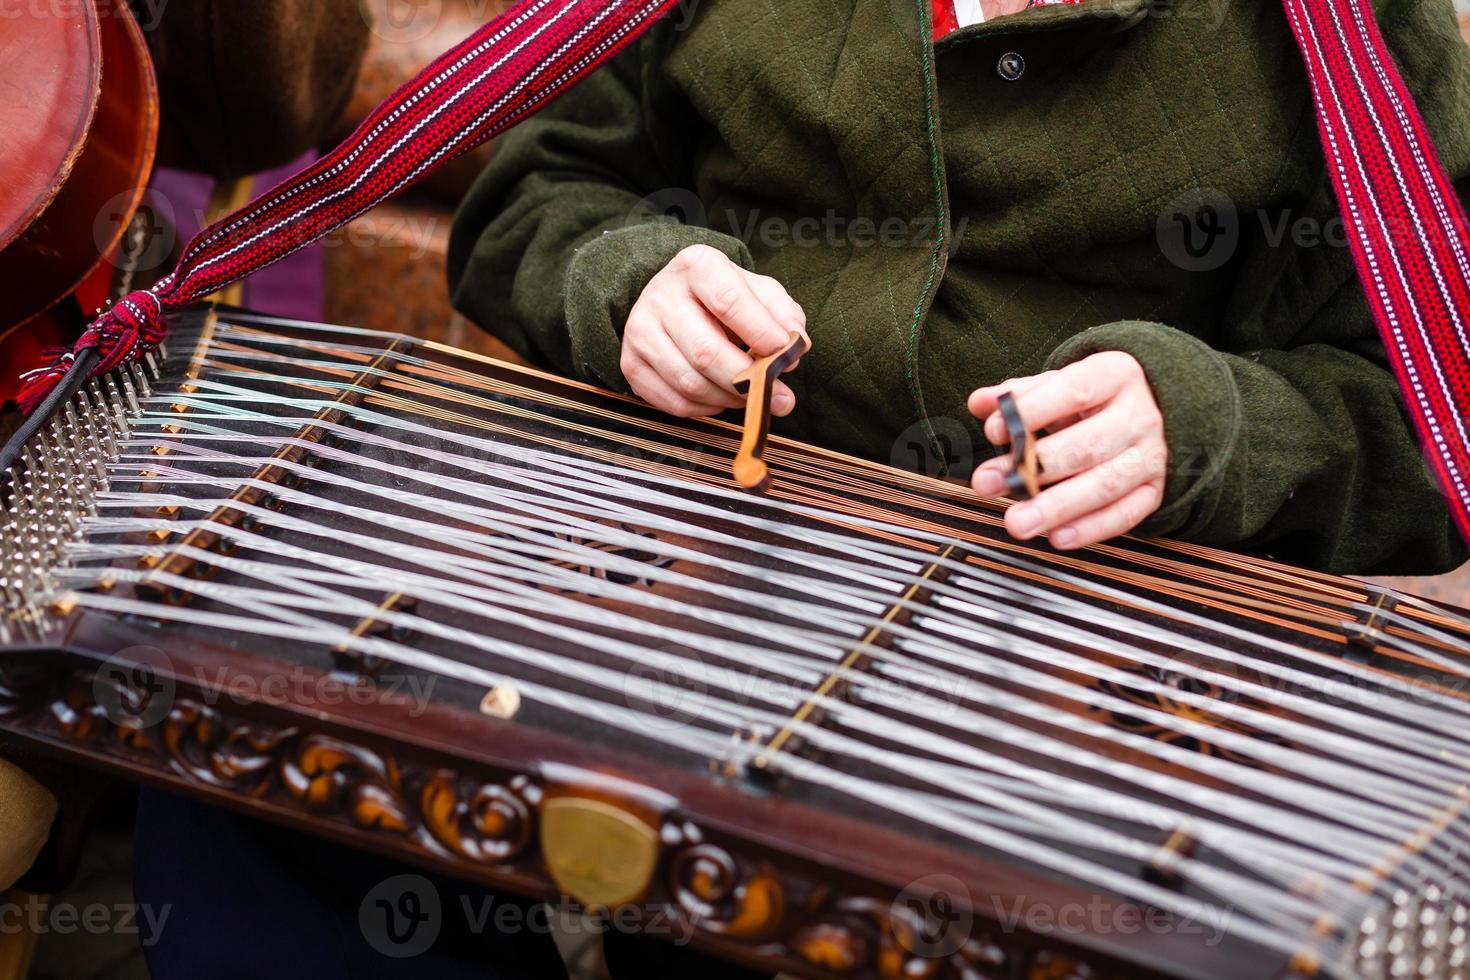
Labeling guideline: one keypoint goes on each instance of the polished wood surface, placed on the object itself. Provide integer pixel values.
(80, 133)
(50, 72)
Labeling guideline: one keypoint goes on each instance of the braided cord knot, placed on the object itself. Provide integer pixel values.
(122, 333)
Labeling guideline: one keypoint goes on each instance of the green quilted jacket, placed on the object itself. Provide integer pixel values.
(1143, 177)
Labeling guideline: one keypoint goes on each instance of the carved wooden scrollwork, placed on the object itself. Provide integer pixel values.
(446, 812)
(871, 936)
(484, 823)
(722, 898)
(743, 900)
(329, 775)
(208, 748)
(841, 935)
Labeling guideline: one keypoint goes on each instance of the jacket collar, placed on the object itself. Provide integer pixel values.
(1104, 16)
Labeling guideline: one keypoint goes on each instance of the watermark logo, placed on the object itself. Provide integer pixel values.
(401, 917)
(1198, 687)
(153, 228)
(148, 13)
(668, 691)
(1202, 229)
(677, 204)
(1101, 916)
(950, 451)
(932, 917)
(403, 21)
(776, 231)
(1199, 230)
(135, 687)
(304, 687)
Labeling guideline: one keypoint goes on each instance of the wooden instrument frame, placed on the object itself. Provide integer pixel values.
(760, 879)
(402, 781)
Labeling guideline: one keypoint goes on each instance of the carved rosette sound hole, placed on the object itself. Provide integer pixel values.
(1223, 714)
(628, 552)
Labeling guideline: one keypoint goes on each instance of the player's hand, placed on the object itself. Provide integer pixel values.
(1102, 458)
(684, 341)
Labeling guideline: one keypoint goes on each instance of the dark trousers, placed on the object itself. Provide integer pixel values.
(243, 899)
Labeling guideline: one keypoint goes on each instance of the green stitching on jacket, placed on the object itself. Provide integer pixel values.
(936, 170)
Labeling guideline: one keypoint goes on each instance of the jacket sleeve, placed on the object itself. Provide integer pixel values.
(568, 224)
(1294, 440)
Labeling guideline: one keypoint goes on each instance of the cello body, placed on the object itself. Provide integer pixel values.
(80, 129)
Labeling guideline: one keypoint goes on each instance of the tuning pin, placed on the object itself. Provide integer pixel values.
(130, 395)
(140, 379)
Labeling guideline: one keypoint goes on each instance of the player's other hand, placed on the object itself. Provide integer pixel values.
(1102, 458)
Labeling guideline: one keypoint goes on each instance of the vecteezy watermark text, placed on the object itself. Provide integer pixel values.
(831, 229)
(38, 916)
(404, 916)
(149, 13)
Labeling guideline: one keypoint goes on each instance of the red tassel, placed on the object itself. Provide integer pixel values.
(122, 334)
(36, 385)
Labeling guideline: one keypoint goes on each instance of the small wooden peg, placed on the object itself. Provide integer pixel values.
(756, 384)
(502, 702)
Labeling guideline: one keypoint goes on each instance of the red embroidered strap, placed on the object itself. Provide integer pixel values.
(1409, 237)
(506, 71)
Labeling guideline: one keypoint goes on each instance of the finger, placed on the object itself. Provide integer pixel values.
(1069, 500)
(774, 297)
(1119, 517)
(1075, 449)
(723, 288)
(787, 311)
(1073, 390)
(707, 348)
(985, 401)
(647, 385)
(989, 478)
(663, 354)
(783, 399)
